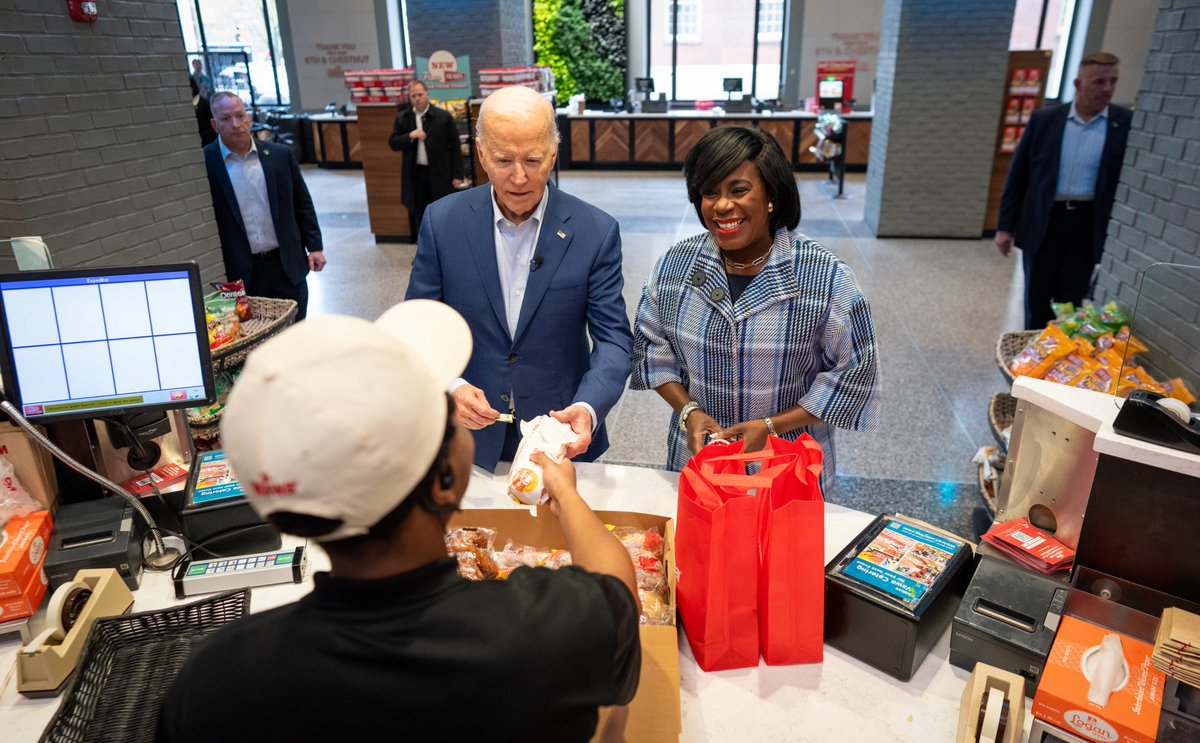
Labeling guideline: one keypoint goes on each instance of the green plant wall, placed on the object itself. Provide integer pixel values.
(583, 42)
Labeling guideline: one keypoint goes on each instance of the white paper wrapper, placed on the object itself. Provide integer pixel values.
(544, 434)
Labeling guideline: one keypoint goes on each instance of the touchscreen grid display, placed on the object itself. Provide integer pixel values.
(91, 343)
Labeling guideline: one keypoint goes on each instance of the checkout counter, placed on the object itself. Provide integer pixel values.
(841, 698)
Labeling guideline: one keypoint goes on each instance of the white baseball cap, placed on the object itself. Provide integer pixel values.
(341, 418)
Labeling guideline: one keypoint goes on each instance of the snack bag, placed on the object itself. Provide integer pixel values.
(1177, 389)
(1136, 378)
(1069, 368)
(223, 323)
(235, 290)
(1040, 355)
(1100, 379)
(1062, 310)
(1112, 315)
(544, 434)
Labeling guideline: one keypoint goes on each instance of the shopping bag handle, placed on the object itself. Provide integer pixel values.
(763, 479)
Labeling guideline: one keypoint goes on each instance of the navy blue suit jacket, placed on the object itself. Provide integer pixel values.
(1032, 179)
(574, 295)
(292, 212)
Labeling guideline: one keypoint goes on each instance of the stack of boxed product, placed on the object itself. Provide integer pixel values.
(379, 87)
(540, 79)
(23, 584)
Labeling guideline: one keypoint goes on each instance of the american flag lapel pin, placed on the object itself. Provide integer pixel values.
(561, 235)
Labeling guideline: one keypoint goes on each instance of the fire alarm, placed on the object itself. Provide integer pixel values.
(83, 11)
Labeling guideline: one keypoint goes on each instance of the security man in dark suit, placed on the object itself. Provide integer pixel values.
(433, 167)
(265, 215)
(1060, 188)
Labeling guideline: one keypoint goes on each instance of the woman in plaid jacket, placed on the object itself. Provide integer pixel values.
(748, 330)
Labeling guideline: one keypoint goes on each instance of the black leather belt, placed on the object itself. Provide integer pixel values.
(265, 256)
(1073, 204)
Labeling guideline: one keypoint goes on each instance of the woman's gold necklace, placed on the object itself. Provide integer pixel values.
(756, 262)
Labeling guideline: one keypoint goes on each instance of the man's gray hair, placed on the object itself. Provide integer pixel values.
(218, 97)
(517, 99)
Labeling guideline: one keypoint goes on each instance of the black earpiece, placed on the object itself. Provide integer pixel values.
(446, 478)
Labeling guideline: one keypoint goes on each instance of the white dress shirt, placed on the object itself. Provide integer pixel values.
(422, 153)
(250, 189)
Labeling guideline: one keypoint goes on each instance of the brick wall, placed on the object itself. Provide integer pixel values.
(99, 152)
(938, 91)
(495, 33)
(1156, 217)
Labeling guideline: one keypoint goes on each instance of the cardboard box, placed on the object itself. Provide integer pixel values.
(1130, 714)
(26, 603)
(23, 543)
(32, 464)
(654, 711)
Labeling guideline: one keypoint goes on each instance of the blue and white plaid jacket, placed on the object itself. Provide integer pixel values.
(800, 334)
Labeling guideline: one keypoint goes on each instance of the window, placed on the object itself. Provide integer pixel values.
(1044, 24)
(689, 19)
(770, 21)
(240, 46)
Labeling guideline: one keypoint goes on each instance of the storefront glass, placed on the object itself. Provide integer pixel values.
(224, 28)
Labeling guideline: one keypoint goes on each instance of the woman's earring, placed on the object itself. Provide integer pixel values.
(770, 206)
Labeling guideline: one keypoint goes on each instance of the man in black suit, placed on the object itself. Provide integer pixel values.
(433, 165)
(1060, 188)
(265, 215)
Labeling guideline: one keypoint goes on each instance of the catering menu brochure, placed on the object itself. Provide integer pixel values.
(900, 563)
(215, 480)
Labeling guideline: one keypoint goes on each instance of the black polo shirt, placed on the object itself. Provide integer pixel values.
(422, 656)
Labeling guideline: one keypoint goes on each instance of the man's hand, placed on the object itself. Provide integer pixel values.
(580, 421)
(417, 134)
(472, 409)
(699, 425)
(316, 260)
(558, 478)
(754, 433)
(456, 182)
(1004, 241)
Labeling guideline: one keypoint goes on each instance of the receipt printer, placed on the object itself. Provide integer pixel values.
(1007, 619)
(102, 533)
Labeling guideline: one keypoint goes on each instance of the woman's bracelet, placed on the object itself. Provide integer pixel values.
(770, 426)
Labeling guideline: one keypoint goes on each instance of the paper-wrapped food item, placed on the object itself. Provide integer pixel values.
(544, 434)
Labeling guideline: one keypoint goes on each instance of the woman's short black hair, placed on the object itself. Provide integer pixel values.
(723, 150)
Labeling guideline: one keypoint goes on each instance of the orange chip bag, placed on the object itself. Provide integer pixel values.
(1100, 379)
(1177, 389)
(1083, 348)
(1136, 378)
(1038, 356)
(1135, 346)
(1069, 368)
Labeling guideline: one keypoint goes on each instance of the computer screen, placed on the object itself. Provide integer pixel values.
(829, 89)
(101, 342)
(732, 84)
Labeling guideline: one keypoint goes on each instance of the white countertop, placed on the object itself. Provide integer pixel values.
(838, 700)
(709, 114)
(1095, 411)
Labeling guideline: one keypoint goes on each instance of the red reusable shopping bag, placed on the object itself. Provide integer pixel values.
(716, 552)
(791, 545)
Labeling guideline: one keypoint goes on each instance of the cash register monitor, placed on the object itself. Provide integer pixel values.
(829, 92)
(104, 342)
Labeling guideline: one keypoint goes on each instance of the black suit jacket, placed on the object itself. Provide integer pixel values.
(292, 212)
(1033, 177)
(441, 145)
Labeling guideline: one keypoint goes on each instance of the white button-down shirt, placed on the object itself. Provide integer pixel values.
(422, 153)
(250, 188)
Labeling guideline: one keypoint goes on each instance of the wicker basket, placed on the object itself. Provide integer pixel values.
(1011, 344)
(128, 665)
(1002, 410)
(267, 317)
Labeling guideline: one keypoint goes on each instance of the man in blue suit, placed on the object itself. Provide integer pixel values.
(265, 215)
(537, 275)
(1060, 189)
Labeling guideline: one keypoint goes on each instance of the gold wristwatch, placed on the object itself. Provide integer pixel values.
(684, 412)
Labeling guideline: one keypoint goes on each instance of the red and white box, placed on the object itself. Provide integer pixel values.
(23, 545)
(25, 604)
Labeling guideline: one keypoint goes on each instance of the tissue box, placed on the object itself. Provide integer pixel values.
(23, 543)
(1132, 711)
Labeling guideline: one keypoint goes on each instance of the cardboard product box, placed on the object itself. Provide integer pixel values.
(653, 715)
(26, 603)
(1129, 712)
(23, 543)
(32, 464)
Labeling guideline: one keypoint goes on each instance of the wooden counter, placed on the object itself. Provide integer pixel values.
(631, 141)
(381, 172)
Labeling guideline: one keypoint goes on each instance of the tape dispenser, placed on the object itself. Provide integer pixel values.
(46, 662)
